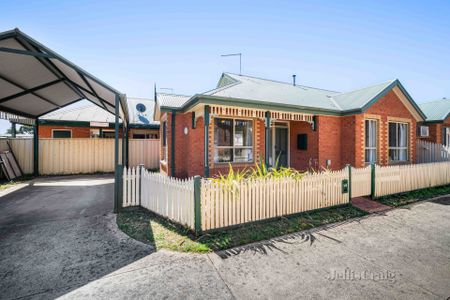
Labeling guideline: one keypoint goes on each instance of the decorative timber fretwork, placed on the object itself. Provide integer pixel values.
(288, 116)
(237, 112)
(259, 113)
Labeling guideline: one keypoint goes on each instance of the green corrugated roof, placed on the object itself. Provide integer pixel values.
(269, 92)
(253, 88)
(437, 110)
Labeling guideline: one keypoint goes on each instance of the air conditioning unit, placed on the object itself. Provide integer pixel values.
(424, 131)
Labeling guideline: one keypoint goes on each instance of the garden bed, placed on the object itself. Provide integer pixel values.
(414, 196)
(149, 228)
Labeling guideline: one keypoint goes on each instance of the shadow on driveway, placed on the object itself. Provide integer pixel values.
(58, 234)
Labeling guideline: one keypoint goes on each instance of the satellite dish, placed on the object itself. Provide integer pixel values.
(140, 107)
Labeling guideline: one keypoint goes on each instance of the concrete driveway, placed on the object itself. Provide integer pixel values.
(62, 241)
(59, 234)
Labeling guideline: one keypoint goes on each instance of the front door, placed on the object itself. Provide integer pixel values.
(281, 146)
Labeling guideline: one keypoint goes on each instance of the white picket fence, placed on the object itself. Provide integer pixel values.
(169, 197)
(397, 179)
(427, 152)
(228, 204)
(361, 181)
(225, 205)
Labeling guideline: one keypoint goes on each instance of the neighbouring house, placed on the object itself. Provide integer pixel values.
(248, 119)
(91, 121)
(436, 127)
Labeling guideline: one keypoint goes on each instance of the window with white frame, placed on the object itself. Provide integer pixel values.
(233, 140)
(371, 141)
(398, 142)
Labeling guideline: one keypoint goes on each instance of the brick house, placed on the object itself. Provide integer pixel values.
(92, 121)
(248, 119)
(436, 127)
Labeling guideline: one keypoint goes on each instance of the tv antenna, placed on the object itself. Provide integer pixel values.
(240, 59)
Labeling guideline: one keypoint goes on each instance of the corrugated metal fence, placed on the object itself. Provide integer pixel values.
(75, 156)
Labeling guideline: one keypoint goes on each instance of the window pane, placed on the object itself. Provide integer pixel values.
(62, 134)
(243, 135)
(223, 132)
(223, 155)
(243, 155)
(371, 155)
(392, 134)
(403, 135)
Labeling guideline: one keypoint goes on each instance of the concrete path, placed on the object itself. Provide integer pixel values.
(403, 254)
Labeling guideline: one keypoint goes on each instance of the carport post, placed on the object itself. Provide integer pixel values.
(13, 129)
(36, 148)
(116, 156)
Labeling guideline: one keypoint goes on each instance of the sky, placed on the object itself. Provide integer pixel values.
(336, 45)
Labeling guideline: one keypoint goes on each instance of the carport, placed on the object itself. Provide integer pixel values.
(34, 80)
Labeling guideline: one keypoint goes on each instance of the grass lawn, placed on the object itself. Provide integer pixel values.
(414, 196)
(147, 227)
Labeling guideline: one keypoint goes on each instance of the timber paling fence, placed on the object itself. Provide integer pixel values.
(427, 152)
(204, 204)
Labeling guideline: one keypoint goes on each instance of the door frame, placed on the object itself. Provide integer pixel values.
(274, 125)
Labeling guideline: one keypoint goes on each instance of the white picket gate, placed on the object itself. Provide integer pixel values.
(427, 152)
(249, 200)
(361, 181)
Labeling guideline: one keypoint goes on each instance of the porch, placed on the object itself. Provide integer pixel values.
(244, 136)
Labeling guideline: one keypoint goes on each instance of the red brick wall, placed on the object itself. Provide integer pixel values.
(45, 131)
(389, 107)
(304, 159)
(329, 128)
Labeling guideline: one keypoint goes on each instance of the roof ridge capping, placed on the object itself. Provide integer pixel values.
(281, 82)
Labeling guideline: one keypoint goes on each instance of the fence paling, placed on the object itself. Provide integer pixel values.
(225, 205)
(167, 196)
(398, 179)
(427, 152)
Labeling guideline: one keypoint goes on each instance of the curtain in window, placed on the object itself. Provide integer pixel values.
(371, 141)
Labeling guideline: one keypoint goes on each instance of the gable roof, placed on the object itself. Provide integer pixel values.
(253, 88)
(264, 93)
(437, 110)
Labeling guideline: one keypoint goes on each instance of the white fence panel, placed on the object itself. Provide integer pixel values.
(361, 181)
(23, 151)
(131, 187)
(144, 152)
(167, 196)
(225, 205)
(397, 179)
(427, 152)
